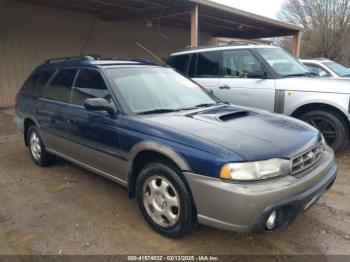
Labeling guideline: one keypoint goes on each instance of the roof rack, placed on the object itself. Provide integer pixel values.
(197, 47)
(139, 60)
(97, 57)
(232, 43)
(321, 58)
(70, 58)
(241, 42)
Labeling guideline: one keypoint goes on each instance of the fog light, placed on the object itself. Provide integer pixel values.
(271, 221)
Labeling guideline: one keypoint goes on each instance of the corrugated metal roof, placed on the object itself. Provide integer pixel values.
(215, 19)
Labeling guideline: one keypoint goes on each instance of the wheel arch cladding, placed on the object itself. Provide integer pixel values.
(28, 122)
(147, 152)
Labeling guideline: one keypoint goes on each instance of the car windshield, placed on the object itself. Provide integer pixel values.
(158, 90)
(338, 69)
(282, 62)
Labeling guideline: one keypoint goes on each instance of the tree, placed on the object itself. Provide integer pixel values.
(326, 24)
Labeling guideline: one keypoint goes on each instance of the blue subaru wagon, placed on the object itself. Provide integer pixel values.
(187, 157)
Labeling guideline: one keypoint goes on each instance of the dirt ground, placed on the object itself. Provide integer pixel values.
(64, 209)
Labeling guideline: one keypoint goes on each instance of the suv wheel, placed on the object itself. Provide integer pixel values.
(36, 147)
(165, 201)
(331, 126)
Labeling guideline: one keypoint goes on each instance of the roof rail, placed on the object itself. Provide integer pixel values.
(232, 43)
(241, 42)
(69, 58)
(197, 47)
(140, 60)
(321, 58)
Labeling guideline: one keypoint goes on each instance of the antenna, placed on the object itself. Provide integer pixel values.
(152, 54)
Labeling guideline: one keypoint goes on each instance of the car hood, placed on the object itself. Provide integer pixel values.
(315, 84)
(252, 134)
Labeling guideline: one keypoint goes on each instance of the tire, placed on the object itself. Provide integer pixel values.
(165, 200)
(37, 148)
(331, 125)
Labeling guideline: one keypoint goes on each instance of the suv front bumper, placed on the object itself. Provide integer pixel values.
(245, 207)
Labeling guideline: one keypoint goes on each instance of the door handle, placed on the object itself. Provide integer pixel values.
(225, 87)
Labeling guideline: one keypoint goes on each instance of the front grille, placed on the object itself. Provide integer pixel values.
(306, 160)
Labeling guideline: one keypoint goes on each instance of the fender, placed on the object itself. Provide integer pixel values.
(299, 99)
(161, 149)
(154, 147)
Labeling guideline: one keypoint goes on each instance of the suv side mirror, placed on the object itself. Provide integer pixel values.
(99, 104)
(257, 74)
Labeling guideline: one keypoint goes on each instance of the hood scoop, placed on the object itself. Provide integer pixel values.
(233, 115)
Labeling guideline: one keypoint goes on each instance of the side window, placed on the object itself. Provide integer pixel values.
(179, 62)
(60, 87)
(36, 82)
(89, 84)
(317, 70)
(208, 64)
(240, 64)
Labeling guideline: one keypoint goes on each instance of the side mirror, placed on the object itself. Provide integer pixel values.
(257, 74)
(99, 104)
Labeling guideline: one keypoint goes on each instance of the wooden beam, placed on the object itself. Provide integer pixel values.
(296, 44)
(194, 26)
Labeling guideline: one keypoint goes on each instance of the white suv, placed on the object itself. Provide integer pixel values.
(326, 68)
(269, 78)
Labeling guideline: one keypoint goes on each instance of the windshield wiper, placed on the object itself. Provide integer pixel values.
(206, 105)
(301, 74)
(158, 111)
(198, 106)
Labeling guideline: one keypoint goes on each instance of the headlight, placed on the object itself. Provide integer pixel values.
(251, 171)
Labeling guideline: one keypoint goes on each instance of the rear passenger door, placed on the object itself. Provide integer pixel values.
(205, 69)
(52, 110)
(245, 81)
(93, 136)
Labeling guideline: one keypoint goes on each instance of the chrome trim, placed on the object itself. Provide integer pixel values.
(90, 168)
(307, 159)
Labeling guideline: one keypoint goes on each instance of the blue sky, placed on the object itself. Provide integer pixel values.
(268, 8)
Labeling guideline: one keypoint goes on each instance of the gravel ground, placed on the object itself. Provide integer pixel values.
(64, 209)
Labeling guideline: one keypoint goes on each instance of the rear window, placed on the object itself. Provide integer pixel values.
(36, 82)
(179, 62)
(60, 87)
(208, 64)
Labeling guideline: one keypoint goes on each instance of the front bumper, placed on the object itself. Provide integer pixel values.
(246, 207)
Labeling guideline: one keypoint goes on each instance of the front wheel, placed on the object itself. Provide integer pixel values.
(331, 125)
(165, 200)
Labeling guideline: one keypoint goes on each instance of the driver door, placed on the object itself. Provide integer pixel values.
(94, 135)
(244, 81)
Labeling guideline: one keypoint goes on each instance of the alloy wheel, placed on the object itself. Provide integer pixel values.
(161, 201)
(326, 127)
(35, 146)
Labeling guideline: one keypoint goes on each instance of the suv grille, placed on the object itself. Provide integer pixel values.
(307, 159)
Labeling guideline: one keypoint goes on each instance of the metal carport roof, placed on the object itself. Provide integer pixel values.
(206, 16)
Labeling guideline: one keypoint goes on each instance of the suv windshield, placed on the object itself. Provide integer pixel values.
(282, 62)
(338, 69)
(158, 90)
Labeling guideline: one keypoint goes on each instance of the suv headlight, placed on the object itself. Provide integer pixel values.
(252, 171)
